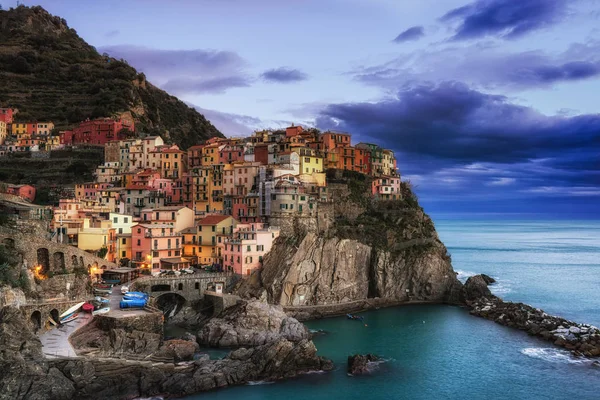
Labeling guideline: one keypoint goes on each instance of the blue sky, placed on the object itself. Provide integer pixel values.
(490, 105)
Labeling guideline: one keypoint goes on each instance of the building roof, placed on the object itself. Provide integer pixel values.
(191, 229)
(150, 226)
(175, 260)
(213, 219)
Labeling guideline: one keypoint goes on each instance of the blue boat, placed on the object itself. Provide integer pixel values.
(132, 303)
(355, 317)
(137, 295)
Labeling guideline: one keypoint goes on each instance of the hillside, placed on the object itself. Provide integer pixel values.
(49, 73)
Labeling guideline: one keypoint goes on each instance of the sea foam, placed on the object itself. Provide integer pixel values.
(554, 355)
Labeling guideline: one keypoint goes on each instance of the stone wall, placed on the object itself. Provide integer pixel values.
(190, 287)
(147, 322)
(220, 301)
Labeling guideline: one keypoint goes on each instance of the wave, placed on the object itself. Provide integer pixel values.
(256, 383)
(554, 355)
(500, 288)
(464, 275)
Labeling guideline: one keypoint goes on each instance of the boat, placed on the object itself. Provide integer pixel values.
(124, 289)
(101, 311)
(133, 303)
(103, 291)
(88, 307)
(70, 319)
(135, 295)
(102, 300)
(53, 322)
(72, 309)
(355, 317)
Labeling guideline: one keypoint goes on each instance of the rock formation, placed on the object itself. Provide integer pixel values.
(359, 364)
(582, 339)
(252, 323)
(27, 375)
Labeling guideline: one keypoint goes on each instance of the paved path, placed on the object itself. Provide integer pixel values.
(55, 342)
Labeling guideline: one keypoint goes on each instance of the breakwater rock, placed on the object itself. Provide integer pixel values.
(361, 364)
(251, 323)
(581, 339)
(27, 374)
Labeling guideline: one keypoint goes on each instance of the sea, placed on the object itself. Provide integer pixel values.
(442, 352)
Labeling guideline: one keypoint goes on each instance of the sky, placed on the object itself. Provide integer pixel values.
(491, 106)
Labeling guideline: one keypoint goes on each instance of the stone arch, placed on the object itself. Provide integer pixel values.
(170, 303)
(54, 314)
(43, 259)
(9, 242)
(36, 320)
(103, 267)
(160, 288)
(74, 262)
(58, 261)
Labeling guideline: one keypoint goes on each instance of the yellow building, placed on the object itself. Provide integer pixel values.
(310, 160)
(210, 154)
(18, 129)
(202, 241)
(52, 142)
(3, 132)
(172, 163)
(123, 246)
(94, 235)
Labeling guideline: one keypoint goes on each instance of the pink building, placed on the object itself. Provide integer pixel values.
(157, 246)
(243, 253)
(239, 178)
(231, 153)
(144, 178)
(387, 187)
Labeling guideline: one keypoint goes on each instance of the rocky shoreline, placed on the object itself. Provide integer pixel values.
(581, 339)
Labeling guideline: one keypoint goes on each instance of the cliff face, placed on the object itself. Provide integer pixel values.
(388, 251)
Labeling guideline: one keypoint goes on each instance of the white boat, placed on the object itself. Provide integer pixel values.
(124, 289)
(101, 311)
(70, 319)
(72, 309)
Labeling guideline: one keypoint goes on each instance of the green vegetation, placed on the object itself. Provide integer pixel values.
(50, 74)
(64, 167)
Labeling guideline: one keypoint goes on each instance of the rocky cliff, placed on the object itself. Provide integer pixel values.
(384, 250)
(26, 374)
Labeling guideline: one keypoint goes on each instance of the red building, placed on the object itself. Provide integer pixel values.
(231, 153)
(6, 115)
(292, 131)
(98, 132)
(26, 192)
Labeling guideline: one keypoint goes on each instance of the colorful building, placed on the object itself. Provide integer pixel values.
(243, 252)
(151, 243)
(202, 241)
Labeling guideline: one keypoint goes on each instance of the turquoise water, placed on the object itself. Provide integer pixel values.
(441, 352)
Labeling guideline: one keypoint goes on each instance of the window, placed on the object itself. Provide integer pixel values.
(123, 254)
(214, 228)
(197, 285)
(139, 242)
(123, 241)
(126, 220)
(180, 286)
(139, 230)
(120, 230)
(248, 248)
(155, 254)
(115, 220)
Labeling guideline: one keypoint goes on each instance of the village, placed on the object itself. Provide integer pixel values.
(155, 208)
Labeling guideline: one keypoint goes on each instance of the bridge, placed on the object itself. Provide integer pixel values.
(188, 287)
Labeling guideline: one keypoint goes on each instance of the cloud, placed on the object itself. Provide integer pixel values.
(212, 85)
(458, 140)
(164, 63)
(509, 19)
(230, 124)
(284, 75)
(486, 66)
(414, 33)
(112, 33)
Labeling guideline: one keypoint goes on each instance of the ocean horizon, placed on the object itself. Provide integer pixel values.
(439, 351)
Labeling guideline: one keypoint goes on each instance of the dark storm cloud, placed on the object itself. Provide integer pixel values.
(284, 75)
(486, 66)
(414, 33)
(212, 85)
(463, 138)
(507, 18)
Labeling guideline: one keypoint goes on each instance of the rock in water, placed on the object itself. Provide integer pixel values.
(475, 288)
(488, 279)
(252, 323)
(359, 364)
